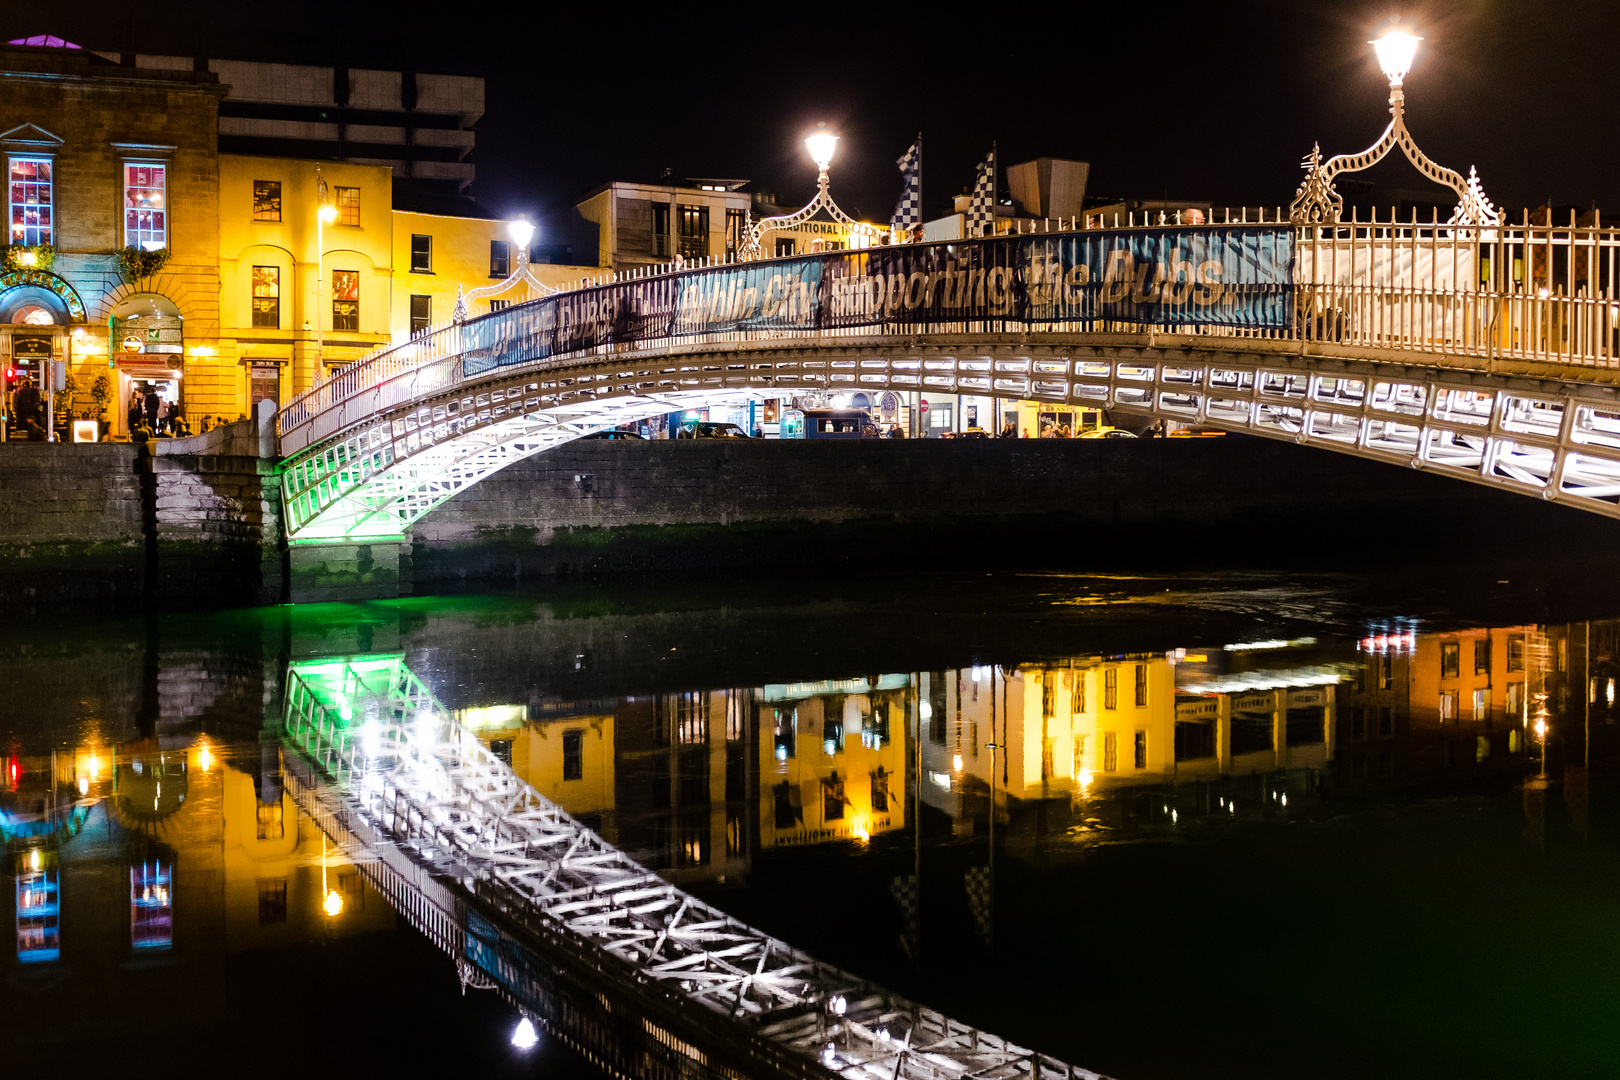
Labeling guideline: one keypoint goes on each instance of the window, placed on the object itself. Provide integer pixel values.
(1049, 693)
(1079, 756)
(1514, 701)
(734, 231)
(880, 791)
(694, 231)
(499, 305)
(146, 217)
(736, 834)
(660, 230)
(1450, 652)
(421, 254)
(500, 258)
(151, 905)
(1482, 747)
(1482, 704)
(348, 206)
(1386, 720)
(1448, 706)
(421, 313)
(692, 719)
(1482, 656)
(1386, 671)
(270, 825)
(1110, 752)
(30, 184)
(573, 741)
(1141, 686)
(273, 900)
(345, 299)
(1515, 658)
(267, 297)
(1111, 688)
(785, 247)
(1077, 692)
(787, 737)
(267, 200)
(1358, 724)
(1140, 749)
(832, 799)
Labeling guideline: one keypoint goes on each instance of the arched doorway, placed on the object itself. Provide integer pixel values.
(34, 324)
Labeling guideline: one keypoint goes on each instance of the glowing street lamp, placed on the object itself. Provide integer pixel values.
(822, 144)
(1395, 52)
(520, 230)
(1317, 202)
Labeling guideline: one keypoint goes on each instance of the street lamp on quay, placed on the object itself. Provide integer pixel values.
(821, 143)
(325, 215)
(1317, 202)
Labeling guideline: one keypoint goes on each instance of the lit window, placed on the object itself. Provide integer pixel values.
(1449, 656)
(500, 258)
(1110, 752)
(1448, 706)
(267, 297)
(151, 906)
(694, 231)
(1111, 688)
(1482, 704)
(30, 197)
(345, 299)
(1514, 704)
(348, 206)
(267, 200)
(421, 254)
(146, 214)
(421, 313)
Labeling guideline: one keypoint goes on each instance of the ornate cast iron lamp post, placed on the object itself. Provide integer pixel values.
(1317, 202)
(821, 144)
(521, 232)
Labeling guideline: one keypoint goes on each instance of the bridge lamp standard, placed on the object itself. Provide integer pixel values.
(1317, 202)
(821, 143)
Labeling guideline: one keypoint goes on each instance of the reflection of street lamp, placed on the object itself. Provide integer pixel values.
(821, 143)
(1541, 737)
(1318, 202)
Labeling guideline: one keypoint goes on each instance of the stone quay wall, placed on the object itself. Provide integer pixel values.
(192, 520)
(597, 506)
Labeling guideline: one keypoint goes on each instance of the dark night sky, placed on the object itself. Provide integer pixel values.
(1213, 101)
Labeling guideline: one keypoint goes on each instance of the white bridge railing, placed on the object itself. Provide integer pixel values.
(1523, 294)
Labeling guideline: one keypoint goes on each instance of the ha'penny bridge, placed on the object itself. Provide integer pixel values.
(1487, 354)
(644, 979)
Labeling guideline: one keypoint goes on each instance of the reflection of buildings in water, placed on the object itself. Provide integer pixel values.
(832, 759)
(107, 873)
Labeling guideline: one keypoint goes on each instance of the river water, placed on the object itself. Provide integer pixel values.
(1214, 823)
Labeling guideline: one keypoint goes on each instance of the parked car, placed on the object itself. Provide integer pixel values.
(1105, 433)
(718, 431)
(614, 433)
(1197, 431)
(967, 433)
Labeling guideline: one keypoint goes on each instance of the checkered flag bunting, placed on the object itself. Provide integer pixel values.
(906, 895)
(981, 900)
(908, 211)
(982, 207)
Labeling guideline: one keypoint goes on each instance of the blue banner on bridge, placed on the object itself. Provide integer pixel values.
(1237, 277)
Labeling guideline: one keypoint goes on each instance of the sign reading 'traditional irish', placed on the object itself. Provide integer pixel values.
(1238, 277)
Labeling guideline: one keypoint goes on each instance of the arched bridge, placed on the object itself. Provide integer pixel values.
(1487, 354)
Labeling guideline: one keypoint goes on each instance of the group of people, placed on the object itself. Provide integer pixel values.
(151, 415)
(28, 411)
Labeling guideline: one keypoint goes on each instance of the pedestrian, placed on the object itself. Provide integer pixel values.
(135, 409)
(26, 407)
(150, 405)
(1009, 431)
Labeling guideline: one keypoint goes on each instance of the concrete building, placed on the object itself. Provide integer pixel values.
(649, 224)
